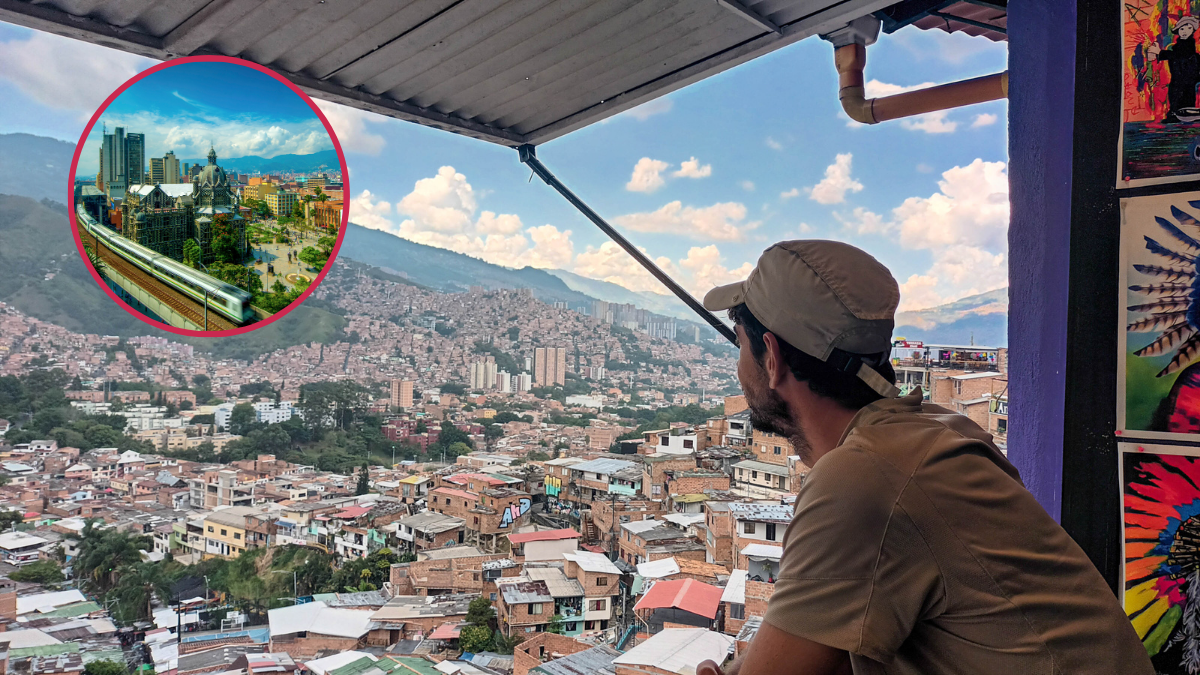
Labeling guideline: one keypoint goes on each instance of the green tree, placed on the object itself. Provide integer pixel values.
(480, 612)
(242, 419)
(364, 480)
(41, 572)
(104, 667)
(191, 253)
(475, 638)
(556, 625)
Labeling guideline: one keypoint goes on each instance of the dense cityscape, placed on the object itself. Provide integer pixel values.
(478, 481)
(176, 240)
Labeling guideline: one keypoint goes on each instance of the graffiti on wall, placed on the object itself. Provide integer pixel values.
(514, 512)
(553, 486)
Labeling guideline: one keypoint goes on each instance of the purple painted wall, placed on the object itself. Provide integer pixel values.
(1041, 47)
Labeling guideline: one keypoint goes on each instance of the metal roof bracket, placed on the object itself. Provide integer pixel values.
(528, 157)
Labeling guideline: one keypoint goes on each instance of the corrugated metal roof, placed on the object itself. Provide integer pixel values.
(689, 595)
(771, 513)
(735, 588)
(560, 585)
(511, 72)
(603, 465)
(676, 649)
(595, 661)
(520, 591)
(592, 562)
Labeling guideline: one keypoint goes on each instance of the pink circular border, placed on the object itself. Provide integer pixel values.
(345, 195)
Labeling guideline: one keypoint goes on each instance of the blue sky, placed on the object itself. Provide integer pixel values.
(183, 109)
(704, 179)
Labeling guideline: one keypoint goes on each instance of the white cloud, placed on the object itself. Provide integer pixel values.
(774, 144)
(649, 109)
(609, 262)
(964, 228)
(747, 185)
(67, 74)
(703, 269)
(350, 125)
(837, 182)
(698, 272)
(370, 212)
(789, 194)
(691, 168)
(647, 175)
(984, 120)
(440, 212)
(719, 222)
(189, 136)
(930, 123)
(924, 168)
(863, 221)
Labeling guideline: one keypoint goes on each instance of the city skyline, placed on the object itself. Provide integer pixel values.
(187, 108)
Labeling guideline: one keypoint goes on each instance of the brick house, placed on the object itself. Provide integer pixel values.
(524, 606)
(653, 540)
(460, 569)
(407, 617)
(304, 630)
(600, 580)
(758, 524)
(607, 516)
(543, 647)
(695, 481)
(430, 530)
(655, 469)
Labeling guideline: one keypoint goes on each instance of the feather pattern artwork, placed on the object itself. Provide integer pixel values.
(1161, 504)
(1171, 306)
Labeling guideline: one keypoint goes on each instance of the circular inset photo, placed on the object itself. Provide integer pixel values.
(208, 196)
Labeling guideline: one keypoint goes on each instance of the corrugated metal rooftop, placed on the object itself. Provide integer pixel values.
(509, 72)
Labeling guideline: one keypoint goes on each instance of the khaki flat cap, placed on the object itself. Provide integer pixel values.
(819, 296)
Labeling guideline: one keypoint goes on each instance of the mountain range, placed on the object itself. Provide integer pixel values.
(46, 279)
(317, 161)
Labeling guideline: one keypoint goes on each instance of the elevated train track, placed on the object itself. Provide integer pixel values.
(183, 305)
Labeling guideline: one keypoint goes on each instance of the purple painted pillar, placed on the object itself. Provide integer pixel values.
(1041, 55)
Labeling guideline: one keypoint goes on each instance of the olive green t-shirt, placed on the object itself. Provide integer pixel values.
(916, 548)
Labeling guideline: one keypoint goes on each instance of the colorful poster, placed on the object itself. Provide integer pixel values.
(1158, 376)
(1160, 116)
(1160, 501)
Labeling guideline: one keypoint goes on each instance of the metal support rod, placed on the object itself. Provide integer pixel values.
(529, 157)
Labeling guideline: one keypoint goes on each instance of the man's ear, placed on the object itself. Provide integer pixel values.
(773, 363)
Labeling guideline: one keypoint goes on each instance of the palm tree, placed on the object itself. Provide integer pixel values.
(136, 588)
(95, 260)
(103, 552)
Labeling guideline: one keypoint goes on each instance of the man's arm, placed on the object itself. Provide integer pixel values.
(777, 652)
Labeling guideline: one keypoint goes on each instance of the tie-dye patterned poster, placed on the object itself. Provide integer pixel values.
(1160, 115)
(1158, 376)
(1161, 543)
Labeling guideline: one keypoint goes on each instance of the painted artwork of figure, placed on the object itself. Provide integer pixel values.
(1184, 65)
(1160, 119)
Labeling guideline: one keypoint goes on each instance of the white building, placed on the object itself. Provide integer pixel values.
(268, 412)
(20, 548)
(524, 382)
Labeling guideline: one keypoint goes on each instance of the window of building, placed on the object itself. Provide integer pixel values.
(476, 520)
(601, 581)
(1002, 426)
(570, 627)
(687, 443)
(770, 531)
(597, 605)
(737, 611)
(535, 608)
(589, 625)
(778, 450)
(493, 597)
(747, 528)
(475, 576)
(655, 490)
(210, 528)
(754, 475)
(237, 535)
(224, 533)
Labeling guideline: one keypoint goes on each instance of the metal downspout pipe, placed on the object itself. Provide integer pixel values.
(850, 58)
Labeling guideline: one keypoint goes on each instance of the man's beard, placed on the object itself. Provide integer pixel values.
(771, 414)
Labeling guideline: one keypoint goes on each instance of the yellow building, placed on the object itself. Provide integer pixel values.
(225, 532)
(281, 203)
(259, 191)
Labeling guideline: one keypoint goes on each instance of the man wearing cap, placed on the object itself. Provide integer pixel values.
(914, 547)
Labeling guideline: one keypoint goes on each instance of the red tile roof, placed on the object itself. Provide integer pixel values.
(447, 631)
(463, 494)
(689, 595)
(543, 535)
(352, 512)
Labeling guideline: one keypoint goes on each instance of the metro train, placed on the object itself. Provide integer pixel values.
(225, 299)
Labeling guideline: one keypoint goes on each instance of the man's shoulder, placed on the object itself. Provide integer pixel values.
(903, 439)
